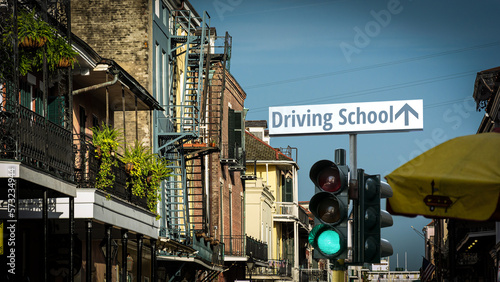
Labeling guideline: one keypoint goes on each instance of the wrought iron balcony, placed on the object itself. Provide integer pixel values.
(276, 267)
(87, 166)
(257, 248)
(243, 245)
(234, 156)
(234, 245)
(35, 141)
(313, 275)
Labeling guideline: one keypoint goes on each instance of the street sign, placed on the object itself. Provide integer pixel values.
(405, 115)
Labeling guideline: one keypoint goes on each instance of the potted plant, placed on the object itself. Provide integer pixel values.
(60, 54)
(32, 31)
(106, 139)
(213, 142)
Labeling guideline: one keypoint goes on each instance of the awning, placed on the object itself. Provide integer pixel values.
(459, 178)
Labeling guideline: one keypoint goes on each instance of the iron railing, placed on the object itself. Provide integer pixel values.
(234, 245)
(38, 142)
(304, 218)
(257, 248)
(87, 166)
(243, 245)
(275, 267)
(313, 275)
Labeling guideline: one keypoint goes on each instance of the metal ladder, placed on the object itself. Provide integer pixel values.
(181, 120)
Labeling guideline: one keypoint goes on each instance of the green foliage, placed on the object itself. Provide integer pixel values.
(159, 172)
(59, 51)
(140, 157)
(34, 29)
(106, 140)
(147, 173)
(31, 27)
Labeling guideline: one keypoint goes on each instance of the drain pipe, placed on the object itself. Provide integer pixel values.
(97, 86)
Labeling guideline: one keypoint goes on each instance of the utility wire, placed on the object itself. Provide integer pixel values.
(374, 90)
(285, 81)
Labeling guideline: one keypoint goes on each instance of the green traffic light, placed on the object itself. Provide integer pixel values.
(329, 242)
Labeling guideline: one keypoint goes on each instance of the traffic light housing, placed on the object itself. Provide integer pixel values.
(329, 205)
(371, 247)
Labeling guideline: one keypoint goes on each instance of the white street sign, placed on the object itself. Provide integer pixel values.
(407, 115)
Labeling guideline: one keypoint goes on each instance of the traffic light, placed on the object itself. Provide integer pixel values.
(371, 247)
(329, 206)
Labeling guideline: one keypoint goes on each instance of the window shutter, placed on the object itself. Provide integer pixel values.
(56, 110)
(236, 134)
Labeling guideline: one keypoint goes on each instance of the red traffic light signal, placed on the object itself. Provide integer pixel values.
(327, 176)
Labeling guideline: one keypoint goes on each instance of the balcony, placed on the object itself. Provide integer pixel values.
(313, 275)
(276, 270)
(288, 211)
(87, 166)
(35, 141)
(234, 156)
(242, 246)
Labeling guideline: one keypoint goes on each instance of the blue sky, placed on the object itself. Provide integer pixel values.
(296, 52)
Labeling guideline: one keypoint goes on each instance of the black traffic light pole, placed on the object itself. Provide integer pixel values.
(354, 195)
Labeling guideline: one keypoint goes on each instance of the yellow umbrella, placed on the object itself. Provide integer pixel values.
(459, 178)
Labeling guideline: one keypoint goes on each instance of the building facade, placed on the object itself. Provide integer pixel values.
(50, 114)
(272, 200)
(178, 56)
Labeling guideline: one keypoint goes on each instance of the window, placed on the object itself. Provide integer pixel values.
(287, 189)
(83, 120)
(56, 110)
(236, 134)
(157, 7)
(95, 121)
(165, 15)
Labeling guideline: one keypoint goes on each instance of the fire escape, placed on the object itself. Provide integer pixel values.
(180, 122)
(217, 58)
(190, 121)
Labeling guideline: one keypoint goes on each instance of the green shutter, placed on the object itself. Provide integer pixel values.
(236, 133)
(39, 102)
(288, 190)
(231, 135)
(25, 94)
(56, 110)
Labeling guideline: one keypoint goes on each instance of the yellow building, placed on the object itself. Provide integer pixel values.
(272, 212)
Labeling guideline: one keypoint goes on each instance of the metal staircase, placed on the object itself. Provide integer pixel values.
(195, 172)
(180, 122)
(193, 111)
(215, 90)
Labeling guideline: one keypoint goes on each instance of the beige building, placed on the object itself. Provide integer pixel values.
(273, 214)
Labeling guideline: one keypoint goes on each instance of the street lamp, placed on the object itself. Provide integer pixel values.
(250, 265)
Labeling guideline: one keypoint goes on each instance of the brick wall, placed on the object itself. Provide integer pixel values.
(232, 186)
(118, 30)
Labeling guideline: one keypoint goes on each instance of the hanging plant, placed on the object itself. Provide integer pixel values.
(60, 54)
(106, 140)
(32, 31)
